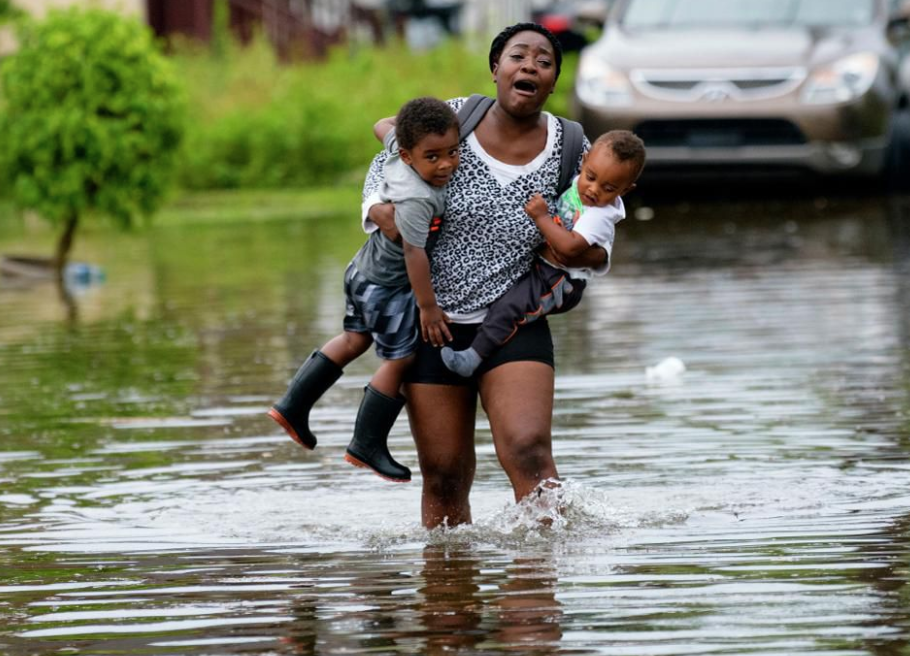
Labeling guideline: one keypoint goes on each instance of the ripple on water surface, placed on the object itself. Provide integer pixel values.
(755, 504)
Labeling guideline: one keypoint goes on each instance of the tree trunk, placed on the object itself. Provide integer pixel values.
(65, 244)
(60, 258)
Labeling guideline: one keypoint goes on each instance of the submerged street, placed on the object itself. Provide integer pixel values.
(757, 503)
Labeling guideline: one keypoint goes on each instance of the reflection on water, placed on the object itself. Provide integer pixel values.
(756, 504)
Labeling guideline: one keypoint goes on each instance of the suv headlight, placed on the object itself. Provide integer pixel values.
(597, 83)
(842, 81)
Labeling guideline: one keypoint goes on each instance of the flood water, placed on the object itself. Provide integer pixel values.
(759, 503)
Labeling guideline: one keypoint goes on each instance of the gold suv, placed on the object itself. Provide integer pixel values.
(818, 85)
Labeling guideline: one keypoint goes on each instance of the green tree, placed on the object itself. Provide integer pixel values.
(91, 120)
(6, 10)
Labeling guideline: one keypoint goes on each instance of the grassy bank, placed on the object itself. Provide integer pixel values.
(255, 205)
(255, 122)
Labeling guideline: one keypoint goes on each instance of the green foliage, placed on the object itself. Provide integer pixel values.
(257, 122)
(258, 205)
(92, 117)
(221, 27)
(8, 10)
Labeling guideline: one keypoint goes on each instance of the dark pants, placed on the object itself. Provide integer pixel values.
(533, 343)
(543, 290)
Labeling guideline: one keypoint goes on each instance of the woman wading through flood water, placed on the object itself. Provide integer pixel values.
(485, 244)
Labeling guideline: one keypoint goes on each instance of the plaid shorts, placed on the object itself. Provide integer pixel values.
(389, 314)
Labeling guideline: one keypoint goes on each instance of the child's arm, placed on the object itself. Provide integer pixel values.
(382, 127)
(433, 320)
(564, 243)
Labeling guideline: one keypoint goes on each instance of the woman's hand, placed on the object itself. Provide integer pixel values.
(433, 326)
(592, 257)
(383, 215)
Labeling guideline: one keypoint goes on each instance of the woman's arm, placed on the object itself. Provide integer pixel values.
(592, 258)
(382, 127)
(383, 216)
(374, 213)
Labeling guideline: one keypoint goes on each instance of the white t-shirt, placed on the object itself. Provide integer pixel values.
(596, 224)
(506, 174)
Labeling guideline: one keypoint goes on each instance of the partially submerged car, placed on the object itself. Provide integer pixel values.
(815, 85)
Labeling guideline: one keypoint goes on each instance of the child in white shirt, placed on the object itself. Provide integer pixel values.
(586, 216)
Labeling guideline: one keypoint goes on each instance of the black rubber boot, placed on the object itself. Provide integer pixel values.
(369, 447)
(292, 412)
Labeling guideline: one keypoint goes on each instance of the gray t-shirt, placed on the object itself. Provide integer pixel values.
(417, 202)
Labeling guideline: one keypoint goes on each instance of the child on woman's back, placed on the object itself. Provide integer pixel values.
(381, 284)
(586, 216)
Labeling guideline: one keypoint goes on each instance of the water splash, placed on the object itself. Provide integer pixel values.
(558, 514)
(375, 518)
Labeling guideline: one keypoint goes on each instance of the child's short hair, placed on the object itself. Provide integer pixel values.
(422, 116)
(625, 146)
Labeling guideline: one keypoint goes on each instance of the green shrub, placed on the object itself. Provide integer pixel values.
(256, 122)
(7, 11)
(92, 119)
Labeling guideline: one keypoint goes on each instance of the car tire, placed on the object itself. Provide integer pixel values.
(897, 173)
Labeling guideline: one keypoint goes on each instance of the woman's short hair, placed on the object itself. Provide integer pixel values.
(422, 116)
(501, 39)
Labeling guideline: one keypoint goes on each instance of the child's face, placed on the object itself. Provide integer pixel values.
(435, 157)
(603, 177)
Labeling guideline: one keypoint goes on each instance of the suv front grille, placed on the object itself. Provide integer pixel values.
(684, 85)
(719, 133)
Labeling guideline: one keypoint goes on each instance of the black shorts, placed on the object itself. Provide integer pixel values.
(532, 343)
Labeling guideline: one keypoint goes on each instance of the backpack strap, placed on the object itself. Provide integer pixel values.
(573, 136)
(573, 143)
(471, 112)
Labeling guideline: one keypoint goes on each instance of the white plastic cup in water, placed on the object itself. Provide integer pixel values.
(668, 369)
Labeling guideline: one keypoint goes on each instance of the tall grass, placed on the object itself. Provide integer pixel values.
(256, 122)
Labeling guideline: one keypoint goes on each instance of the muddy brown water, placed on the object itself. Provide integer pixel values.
(759, 503)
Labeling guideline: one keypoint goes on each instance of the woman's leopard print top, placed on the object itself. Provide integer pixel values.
(486, 241)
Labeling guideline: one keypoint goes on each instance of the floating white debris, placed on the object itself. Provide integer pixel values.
(668, 369)
(644, 213)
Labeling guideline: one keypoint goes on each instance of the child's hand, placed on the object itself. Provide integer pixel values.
(433, 326)
(537, 208)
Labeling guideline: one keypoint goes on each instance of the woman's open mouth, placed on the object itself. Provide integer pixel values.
(526, 87)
